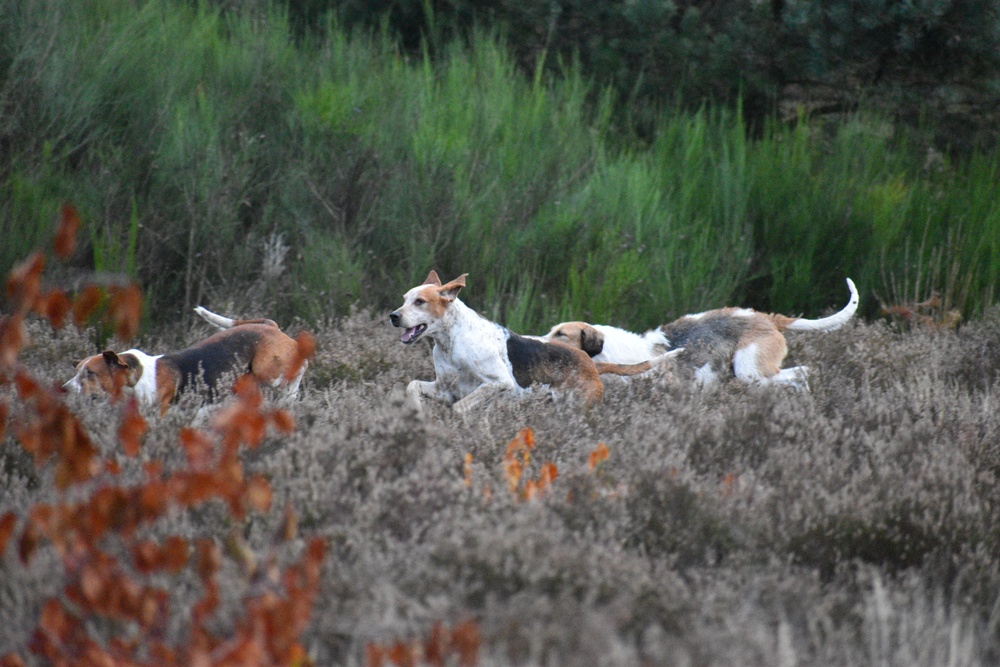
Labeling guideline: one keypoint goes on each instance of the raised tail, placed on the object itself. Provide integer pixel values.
(830, 323)
(227, 322)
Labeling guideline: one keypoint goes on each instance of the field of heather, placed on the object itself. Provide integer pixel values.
(857, 524)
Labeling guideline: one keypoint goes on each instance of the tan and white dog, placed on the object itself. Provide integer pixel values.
(748, 344)
(475, 359)
(257, 347)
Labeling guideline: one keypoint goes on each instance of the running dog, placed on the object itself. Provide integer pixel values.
(257, 347)
(738, 341)
(475, 359)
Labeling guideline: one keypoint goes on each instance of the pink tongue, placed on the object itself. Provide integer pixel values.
(408, 335)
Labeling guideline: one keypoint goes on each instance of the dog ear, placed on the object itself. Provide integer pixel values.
(450, 291)
(591, 341)
(113, 360)
(432, 278)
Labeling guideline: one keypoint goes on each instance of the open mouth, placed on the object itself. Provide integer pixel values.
(413, 333)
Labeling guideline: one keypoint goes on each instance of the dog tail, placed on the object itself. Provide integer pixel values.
(226, 322)
(830, 323)
(605, 368)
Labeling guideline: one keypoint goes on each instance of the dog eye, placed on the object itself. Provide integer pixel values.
(418, 302)
(560, 334)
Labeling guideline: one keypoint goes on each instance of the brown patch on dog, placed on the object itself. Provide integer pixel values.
(771, 345)
(435, 297)
(106, 372)
(576, 373)
(168, 379)
(273, 357)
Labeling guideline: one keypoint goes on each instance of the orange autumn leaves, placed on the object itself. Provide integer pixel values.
(26, 294)
(517, 462)
(117, 586)
(442, 644)
(515, 465)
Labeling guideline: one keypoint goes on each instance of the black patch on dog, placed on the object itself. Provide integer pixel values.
(535, 361)
(216, 357)
(707, 340)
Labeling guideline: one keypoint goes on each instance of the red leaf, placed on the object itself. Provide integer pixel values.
(132, 428)
(85, 304)
(69, 223)
(289, 525)
(258, 493)
(374, 655)
(7, 524)
(174, 553)
(28, 543)
(57, 306)
(402, 655)
(209, 558)
(436, 646)
(548, 474)
(55, 621)
(598, 456)
(465, 640)
(281, 419)
(126, 310)
(24, 282)
(146, 556)
(13, 337)
(198, 448)
(306, 348)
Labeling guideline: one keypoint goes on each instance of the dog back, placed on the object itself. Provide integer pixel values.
(213, 358)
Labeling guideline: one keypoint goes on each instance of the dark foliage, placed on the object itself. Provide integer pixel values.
(936, 56)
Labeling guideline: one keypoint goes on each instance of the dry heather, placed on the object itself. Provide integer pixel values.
(856, 524)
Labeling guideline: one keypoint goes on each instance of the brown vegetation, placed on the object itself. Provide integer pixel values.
(854, 524)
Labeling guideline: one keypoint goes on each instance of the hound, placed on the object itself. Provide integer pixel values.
(257, 347)
(737, 341)
(475, 359)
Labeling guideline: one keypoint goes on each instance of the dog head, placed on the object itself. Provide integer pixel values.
(424, 306)
(107, 372)
(580, 335)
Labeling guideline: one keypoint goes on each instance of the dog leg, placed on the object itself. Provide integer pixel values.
(292, 388)
(417, 389)
(796, 377)
(477, 397)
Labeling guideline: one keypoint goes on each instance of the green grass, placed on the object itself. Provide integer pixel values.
(188, 137)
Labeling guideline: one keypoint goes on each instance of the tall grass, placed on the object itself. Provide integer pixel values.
(189, 137)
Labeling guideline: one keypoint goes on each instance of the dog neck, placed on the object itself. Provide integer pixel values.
(142, 375)
(456, 322)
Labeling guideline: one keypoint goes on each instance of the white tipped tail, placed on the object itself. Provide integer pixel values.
(834, 321)
(213, 319)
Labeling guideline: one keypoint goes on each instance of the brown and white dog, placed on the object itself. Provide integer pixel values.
(257, 347)
(748, 344)
(474, 358)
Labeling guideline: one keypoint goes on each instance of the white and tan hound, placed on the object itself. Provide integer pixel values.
(474, 358)
(257, 347)
(738, 341)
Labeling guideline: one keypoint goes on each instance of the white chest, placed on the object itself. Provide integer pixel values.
(475, 353)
